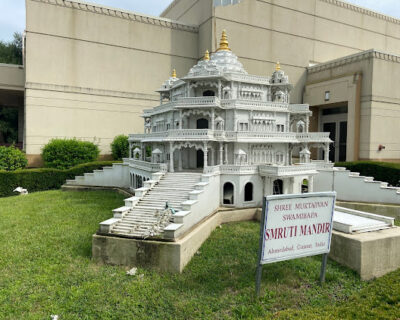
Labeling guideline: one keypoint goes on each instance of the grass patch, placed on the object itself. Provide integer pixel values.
(46, 268)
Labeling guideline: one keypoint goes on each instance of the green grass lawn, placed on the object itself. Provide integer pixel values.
(46, 268)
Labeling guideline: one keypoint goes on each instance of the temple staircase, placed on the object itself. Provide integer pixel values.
(144, 216)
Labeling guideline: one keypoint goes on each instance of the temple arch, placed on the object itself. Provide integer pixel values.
(248, 192)
(228, 194)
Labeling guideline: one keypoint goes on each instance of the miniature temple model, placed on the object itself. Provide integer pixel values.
(220, 137)
(219, 115)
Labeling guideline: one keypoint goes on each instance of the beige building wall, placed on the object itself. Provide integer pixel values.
(12, 77)
(385, 108)
(92, 70)
(367, 83)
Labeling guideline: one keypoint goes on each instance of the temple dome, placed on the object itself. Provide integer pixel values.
(227, 62)
(222, 61)
(167, 85)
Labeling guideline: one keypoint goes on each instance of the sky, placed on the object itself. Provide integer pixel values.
(12, 12)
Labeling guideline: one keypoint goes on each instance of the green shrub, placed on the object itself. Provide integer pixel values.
(120, 147)
(12, 158)
(66, 153)
(44, 178)
(381, 171)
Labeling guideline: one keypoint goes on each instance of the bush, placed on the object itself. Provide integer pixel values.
(381, 171)
(12, 158)
(44, 178)
(120, 147)
(66, 153)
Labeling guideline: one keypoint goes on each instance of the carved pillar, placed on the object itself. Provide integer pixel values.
(307, 124)
(130, 150)
(219, 89)
(212, 156)
(142, 151)
(180, 160)
(326, 155)
(171, 157)
(212, 119)
(226, 153)
(221, 153)
(205, 155)
(311, 184)
(235, 128)
(180, 120)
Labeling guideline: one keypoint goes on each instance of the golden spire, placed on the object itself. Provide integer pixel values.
(278, 66)
(207, 55)
(174, 73)
(224, 45)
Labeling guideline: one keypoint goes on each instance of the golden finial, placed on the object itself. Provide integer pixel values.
(224, 45)
(174, 73)
(207, 55)
(278, 66)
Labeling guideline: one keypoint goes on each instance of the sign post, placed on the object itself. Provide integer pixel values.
(295, 226)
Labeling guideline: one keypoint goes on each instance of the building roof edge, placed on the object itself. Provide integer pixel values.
(363, 10)
(167, 9)
(123, 14)
(368, 54)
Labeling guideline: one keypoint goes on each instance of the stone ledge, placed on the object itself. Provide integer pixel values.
(371, 254)
(122, 14)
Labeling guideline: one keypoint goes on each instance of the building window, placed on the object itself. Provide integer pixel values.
(279, 158)
(304, 186)
(327, 95)
(168, 156)
(208, 93)
(243, 126)
(248, 192)
(168, 126)
(228, 193)
(278, 187)
(280, 128)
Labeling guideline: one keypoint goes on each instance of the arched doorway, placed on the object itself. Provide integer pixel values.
(200, 159)
(248, 192)
(304, 186)
(228, 193)
(202, 123)
(208, 93)
(278, 187)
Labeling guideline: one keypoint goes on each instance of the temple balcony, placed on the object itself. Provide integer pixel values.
(215, 102)
(182, 103)
(231, 136)
(290, 171)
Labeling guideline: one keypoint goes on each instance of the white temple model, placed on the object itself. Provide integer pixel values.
(220, 137)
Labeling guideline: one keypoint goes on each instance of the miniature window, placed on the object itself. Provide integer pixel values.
(228, 193)
(168, 126)
(248, 192)
(304, 186)
(280, 128)
(208, 93)
(279, 158)
(278, 187)
(168, 156)
(243, 126)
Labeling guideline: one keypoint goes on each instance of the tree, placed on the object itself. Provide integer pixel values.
(11, 52)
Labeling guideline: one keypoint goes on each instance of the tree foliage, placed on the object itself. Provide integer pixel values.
(11, 52)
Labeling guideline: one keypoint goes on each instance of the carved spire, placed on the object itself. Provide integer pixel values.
(174, 73)
(278, 66)
(224, 44)
(207, 55)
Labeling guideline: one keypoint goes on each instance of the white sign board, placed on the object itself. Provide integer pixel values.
(297, 226)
